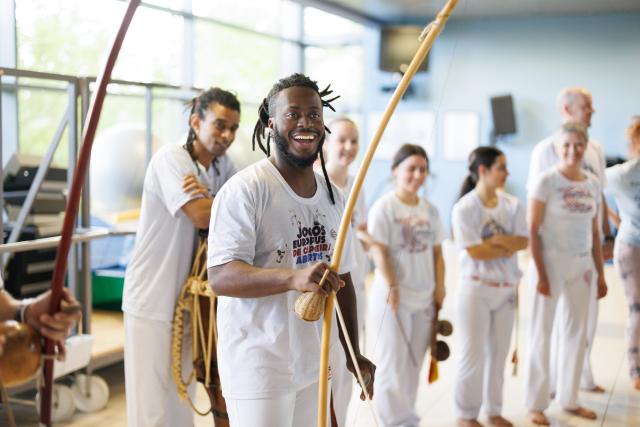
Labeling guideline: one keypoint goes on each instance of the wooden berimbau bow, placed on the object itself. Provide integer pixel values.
(73, 201)
(428, 37)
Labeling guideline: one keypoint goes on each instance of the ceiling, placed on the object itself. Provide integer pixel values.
(411, 11)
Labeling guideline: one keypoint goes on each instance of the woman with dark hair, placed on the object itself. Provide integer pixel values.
(408, 285)
(624, 183)
(489, 226)
(566, 253)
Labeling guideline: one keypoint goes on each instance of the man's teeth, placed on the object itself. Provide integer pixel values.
(304, 137)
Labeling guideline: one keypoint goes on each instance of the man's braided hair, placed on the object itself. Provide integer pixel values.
(267, 109)
(199, 105)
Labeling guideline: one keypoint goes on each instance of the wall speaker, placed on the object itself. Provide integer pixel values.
(504, 120)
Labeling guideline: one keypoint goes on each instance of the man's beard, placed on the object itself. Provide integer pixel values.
(298, 161)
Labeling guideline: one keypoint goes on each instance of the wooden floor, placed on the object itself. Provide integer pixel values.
(618, 407)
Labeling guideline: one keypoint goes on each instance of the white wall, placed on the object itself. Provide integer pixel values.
(532, 59)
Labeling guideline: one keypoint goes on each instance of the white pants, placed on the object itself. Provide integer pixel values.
(586, 377)
(152, 400)
(570, 280)
(361, 306)
(397, 373)
(291, 410)
(342, 381)
(341, 384)
(627, 259)
(484, 320)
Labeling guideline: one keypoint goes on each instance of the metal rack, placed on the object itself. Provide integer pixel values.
(78, 90)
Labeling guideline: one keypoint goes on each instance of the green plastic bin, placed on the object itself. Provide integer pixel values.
(107, 285)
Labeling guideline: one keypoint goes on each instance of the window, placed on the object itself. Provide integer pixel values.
(264, 16)
(335, 56)
(236, 60)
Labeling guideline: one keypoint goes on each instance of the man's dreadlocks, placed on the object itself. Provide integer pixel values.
(267, 109)
(199, 105)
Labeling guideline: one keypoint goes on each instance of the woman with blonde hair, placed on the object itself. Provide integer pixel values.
(566, 253)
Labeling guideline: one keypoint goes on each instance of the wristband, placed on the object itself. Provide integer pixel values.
(609, 238)
(21, 310)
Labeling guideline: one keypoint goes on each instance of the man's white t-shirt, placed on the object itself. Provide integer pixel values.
(410, 233)
(473, 223)
(219, 173)
(570, 208)
(165, 240)
(264, 350)
(624, 184)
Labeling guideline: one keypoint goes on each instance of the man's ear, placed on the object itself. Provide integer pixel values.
(270, 123)
(194, 122)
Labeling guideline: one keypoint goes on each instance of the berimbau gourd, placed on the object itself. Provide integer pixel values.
(21, 353)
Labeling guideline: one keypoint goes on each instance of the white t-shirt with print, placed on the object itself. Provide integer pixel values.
(410, 233)
(165, 240)
(570, 208)
(264, 350)
(544, 157)
(624, 184)
(473, 223)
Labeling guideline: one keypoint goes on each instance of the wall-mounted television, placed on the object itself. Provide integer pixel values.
(398, 45)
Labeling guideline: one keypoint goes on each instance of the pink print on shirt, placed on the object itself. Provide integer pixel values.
(416, 233)
(577, 199)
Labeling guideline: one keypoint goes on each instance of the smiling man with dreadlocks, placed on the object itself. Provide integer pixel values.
(180, 184)
(273, 229)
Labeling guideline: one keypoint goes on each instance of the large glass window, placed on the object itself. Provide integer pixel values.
(239, 61)
(342, 68)
(65, 37)
(72, 37)
(240, 45)
(335, 56)
(40, 114)
(152, 50)
(265, 16)
(326, 28)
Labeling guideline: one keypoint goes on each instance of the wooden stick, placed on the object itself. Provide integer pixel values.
(514, 356)
(435, 28)
(73, 202)
(406, 340)
(354, 360)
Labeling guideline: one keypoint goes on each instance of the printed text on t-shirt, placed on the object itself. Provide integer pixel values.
(311, 244)
(577, 199)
